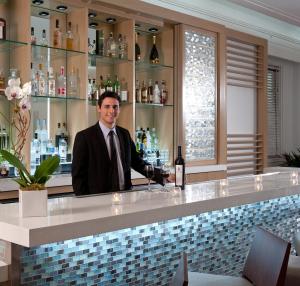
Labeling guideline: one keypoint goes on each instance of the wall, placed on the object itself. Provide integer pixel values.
(283, 48)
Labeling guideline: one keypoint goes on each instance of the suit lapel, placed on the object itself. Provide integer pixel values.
(102, 142)
(122, 146)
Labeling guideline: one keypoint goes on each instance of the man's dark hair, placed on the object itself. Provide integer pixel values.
(108, 94)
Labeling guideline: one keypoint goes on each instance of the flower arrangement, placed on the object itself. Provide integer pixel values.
(21, 118)
(42, 173)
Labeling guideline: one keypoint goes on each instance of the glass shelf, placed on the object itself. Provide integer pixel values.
(6, 45)
(149, 105)
(56, 98)
(93, 59)
(148, 66)
(55, 53)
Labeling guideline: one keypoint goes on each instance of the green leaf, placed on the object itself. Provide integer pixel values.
(13, 160)
(20, 182)
(46, 169)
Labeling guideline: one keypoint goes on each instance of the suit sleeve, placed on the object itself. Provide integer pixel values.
(79, 165)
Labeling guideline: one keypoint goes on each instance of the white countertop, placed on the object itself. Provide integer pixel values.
(71, 217)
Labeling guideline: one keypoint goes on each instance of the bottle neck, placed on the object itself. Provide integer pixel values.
(179, 152)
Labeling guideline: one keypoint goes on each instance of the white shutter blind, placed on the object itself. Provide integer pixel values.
(274, 116)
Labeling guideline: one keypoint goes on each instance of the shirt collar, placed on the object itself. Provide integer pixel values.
(105, 130)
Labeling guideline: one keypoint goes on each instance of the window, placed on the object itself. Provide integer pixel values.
(274, 116)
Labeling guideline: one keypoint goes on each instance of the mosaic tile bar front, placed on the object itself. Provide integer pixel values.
(216, 242)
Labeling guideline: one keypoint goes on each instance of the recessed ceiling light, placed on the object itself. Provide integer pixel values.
(92, 15)
(44, 13)
(110, 20)
(93, 24)
(38, 2)
(152, 30)
(61, 7)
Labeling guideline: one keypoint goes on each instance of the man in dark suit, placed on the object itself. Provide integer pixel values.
(104, 153)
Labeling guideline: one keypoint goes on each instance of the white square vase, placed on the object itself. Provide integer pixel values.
(33, 203)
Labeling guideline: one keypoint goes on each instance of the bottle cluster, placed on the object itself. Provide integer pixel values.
(64, 40)
(147, 145)
(109, 46)
(43, 146)
(53, 84)
(157, 94)
(96, 89)
(154, 56)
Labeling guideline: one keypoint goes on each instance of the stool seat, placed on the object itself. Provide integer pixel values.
(204, 279)
(3, 271)
(293, 271)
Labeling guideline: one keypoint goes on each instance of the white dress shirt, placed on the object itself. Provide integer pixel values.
(105, 130)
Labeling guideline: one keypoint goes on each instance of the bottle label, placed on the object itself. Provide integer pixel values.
(178, 175)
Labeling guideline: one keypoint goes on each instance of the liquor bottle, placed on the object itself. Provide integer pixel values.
(90, 89)
(44, 137)
(58, 134)
(2, 29)
(2, 79)
(32, 37)
(90, 47)
(42, 87)
(117, 86)
(38, 129)
(62, 150)
(138, 92)
(99, 48)
(144, 140)
(122, 47)
(44, 41)
(95, 90)
(156, 93)
(57, 36)
(124, 90)
(51, 82)
(111, 47)
(65, 133)
(35, 150)
(149, 146)
(154, 140)
(61, 83)
(150, 92)
(69, 37)
(76, 39)
(144, 93)
(164, 92)
(137, 49)
(179, 170)
(154, 57)
(108, 84)
(101, 85)
(72, 83)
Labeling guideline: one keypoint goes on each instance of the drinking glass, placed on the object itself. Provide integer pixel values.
(149, 169)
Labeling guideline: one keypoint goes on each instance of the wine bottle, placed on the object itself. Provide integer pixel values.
(154, 57)
(137, 49)
(179, 170)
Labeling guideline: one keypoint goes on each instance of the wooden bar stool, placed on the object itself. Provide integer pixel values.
(266, 265)
(293, 270)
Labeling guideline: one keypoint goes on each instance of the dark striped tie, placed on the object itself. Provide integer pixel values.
(114, 163)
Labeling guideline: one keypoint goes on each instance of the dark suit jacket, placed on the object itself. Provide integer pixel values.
(91, 162)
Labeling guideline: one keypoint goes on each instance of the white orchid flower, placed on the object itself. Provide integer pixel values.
(25, 104)
(26, 90)
(14, 82)
(13, 92)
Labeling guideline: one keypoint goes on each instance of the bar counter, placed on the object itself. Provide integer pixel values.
(139, 239)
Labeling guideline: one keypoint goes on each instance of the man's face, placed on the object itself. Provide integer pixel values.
(109, 111)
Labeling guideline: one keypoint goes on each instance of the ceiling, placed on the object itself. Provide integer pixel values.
(285, 10)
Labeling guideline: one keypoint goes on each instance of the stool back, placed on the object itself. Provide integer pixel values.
(297, 242)
(267, 261)
(181, 276)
